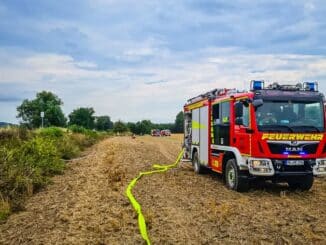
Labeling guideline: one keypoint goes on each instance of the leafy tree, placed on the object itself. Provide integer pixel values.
(141, 127)
(103, 123)
(132, 127)
(144, 127)
(164, 126)
(82, 117)
(178, 125)
(120, 127)
(30, 111)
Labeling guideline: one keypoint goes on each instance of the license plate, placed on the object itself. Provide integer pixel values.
(295, 162)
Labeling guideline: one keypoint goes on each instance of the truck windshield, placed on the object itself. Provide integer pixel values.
(290, 116)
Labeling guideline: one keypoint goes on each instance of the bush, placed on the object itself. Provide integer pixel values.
(13, 133)
(28, 160)
(4, 209)
(26, 168)
(110, 132)
(63, 142)
(120, 127)
(83, 140)
(85, 137)
(77, 129)
(40, 154)
(24, 133)
(67, 147)
(52, 132)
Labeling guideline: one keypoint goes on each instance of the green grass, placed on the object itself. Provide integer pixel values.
(28, 160)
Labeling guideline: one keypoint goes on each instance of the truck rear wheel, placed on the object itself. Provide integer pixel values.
(195, 163)
(234, 178)
(303, 183)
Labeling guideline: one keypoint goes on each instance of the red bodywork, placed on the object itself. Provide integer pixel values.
(248, 140)
(156, 132)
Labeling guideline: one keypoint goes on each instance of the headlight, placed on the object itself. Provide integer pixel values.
(322, 163)
(260, 166)
(320, 167)
(259, 163)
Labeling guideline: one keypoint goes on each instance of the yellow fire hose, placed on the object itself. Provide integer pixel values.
(141, 219)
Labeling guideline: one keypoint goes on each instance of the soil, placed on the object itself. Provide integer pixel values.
(87, 204)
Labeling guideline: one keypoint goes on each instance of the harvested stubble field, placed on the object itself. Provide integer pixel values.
(87, 204)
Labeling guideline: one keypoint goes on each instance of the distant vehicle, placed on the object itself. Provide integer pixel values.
(165, 132)
(156, 132)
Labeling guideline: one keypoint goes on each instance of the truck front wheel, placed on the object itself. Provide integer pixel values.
(234, 178)
(303, 183)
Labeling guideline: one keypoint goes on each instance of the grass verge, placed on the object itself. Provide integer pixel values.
(28, 160)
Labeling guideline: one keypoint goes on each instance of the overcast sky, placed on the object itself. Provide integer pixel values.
(142, 59)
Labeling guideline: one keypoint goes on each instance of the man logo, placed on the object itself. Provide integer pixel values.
(294, 149)
(294, 143)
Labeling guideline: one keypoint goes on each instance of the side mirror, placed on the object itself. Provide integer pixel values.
(238, 107)
(257, 103)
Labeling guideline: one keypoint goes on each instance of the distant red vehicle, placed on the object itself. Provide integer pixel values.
(165, 132)
(156, 132)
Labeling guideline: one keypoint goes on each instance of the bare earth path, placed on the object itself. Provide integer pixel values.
(87, 204)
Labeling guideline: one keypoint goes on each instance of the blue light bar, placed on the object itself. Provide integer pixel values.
(311, 86)
(285, 153)
(257, 85)
(302, 153)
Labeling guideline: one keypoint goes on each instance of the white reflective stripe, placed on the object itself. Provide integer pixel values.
(203, 135)
(241, 162)
(292, 142)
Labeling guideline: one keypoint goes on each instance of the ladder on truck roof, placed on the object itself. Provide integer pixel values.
(213, 94)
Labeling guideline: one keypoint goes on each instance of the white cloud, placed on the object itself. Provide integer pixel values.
(123, 95)
(114, 55)
(86, 64)
(309, 7)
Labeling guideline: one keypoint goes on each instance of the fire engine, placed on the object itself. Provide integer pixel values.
(155, 132)
(274, 132)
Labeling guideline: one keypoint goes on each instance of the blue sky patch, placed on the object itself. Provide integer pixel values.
(105, 54)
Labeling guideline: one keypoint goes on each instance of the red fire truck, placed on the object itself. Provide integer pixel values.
(273, 133)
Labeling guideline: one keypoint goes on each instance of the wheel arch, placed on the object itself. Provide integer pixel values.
(227, 156)
(193, 151)
(235, 153)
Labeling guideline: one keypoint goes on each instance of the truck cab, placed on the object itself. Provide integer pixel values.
(274, 133)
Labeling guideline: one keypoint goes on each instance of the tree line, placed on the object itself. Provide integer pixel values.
(50, 105)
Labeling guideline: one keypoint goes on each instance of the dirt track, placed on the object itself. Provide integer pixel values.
(87, 204)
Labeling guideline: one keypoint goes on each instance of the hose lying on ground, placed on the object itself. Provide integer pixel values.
(141, 219)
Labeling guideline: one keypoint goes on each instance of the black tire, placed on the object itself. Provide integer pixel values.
(303, 183)
(199, 169)
(234, 178)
